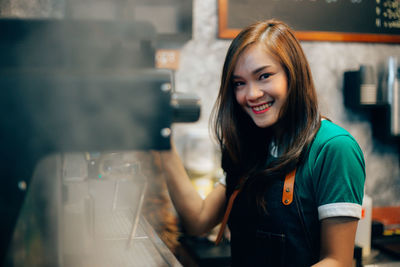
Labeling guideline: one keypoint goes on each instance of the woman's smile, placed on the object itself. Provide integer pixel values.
(262, 108)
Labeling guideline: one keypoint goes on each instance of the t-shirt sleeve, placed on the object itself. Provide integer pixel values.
(340, 176)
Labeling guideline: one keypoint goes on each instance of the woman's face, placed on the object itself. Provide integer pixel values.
(260, 84)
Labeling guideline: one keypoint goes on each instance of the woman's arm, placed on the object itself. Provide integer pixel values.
(337, 241)
(198, 215)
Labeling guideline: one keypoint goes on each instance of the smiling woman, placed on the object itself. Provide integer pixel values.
(260, 85)
(294, 181)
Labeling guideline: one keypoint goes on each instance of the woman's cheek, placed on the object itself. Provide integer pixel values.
(240, 97)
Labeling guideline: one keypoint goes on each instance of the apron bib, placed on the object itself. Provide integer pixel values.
(276, 238)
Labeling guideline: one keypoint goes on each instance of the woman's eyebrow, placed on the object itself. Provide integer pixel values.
(257, 70)
(260, 69)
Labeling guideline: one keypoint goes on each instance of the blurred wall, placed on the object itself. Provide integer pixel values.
(201, 62)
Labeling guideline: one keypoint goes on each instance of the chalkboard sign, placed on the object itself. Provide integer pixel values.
(317, 20)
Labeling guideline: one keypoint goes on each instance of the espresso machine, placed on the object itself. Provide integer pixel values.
(75, 98)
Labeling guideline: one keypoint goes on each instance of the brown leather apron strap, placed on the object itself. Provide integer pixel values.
(226, 216)
(287, 198)
(287, 195)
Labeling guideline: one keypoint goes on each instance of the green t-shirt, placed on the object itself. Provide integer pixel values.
(330, 183)
(333, 175)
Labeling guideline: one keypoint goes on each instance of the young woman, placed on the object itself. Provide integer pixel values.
(294, 180)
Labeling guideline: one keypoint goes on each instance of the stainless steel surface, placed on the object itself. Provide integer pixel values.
(109, 246)
(135, 220)
(73, 221)
(110, 211)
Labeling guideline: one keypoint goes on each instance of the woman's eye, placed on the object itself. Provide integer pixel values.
(237, 83)
(264, 76)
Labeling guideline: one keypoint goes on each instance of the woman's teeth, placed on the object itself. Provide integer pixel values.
(263, 107)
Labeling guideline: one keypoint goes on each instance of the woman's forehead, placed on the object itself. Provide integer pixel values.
(254, 57)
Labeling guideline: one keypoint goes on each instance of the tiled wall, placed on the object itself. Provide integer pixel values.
(200, 67)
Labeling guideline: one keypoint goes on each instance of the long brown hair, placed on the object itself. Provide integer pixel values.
(245, 147)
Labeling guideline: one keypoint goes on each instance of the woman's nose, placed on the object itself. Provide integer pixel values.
(254, 92)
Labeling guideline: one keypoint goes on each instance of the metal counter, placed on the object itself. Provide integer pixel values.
(112, 249)
(70, 219)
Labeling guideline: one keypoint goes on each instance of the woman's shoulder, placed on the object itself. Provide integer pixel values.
(331, 132)
(331, 136)
(329, 129)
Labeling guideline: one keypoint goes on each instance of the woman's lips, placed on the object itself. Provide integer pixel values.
(261, 108)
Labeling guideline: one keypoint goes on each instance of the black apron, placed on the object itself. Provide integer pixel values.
(276, 238)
